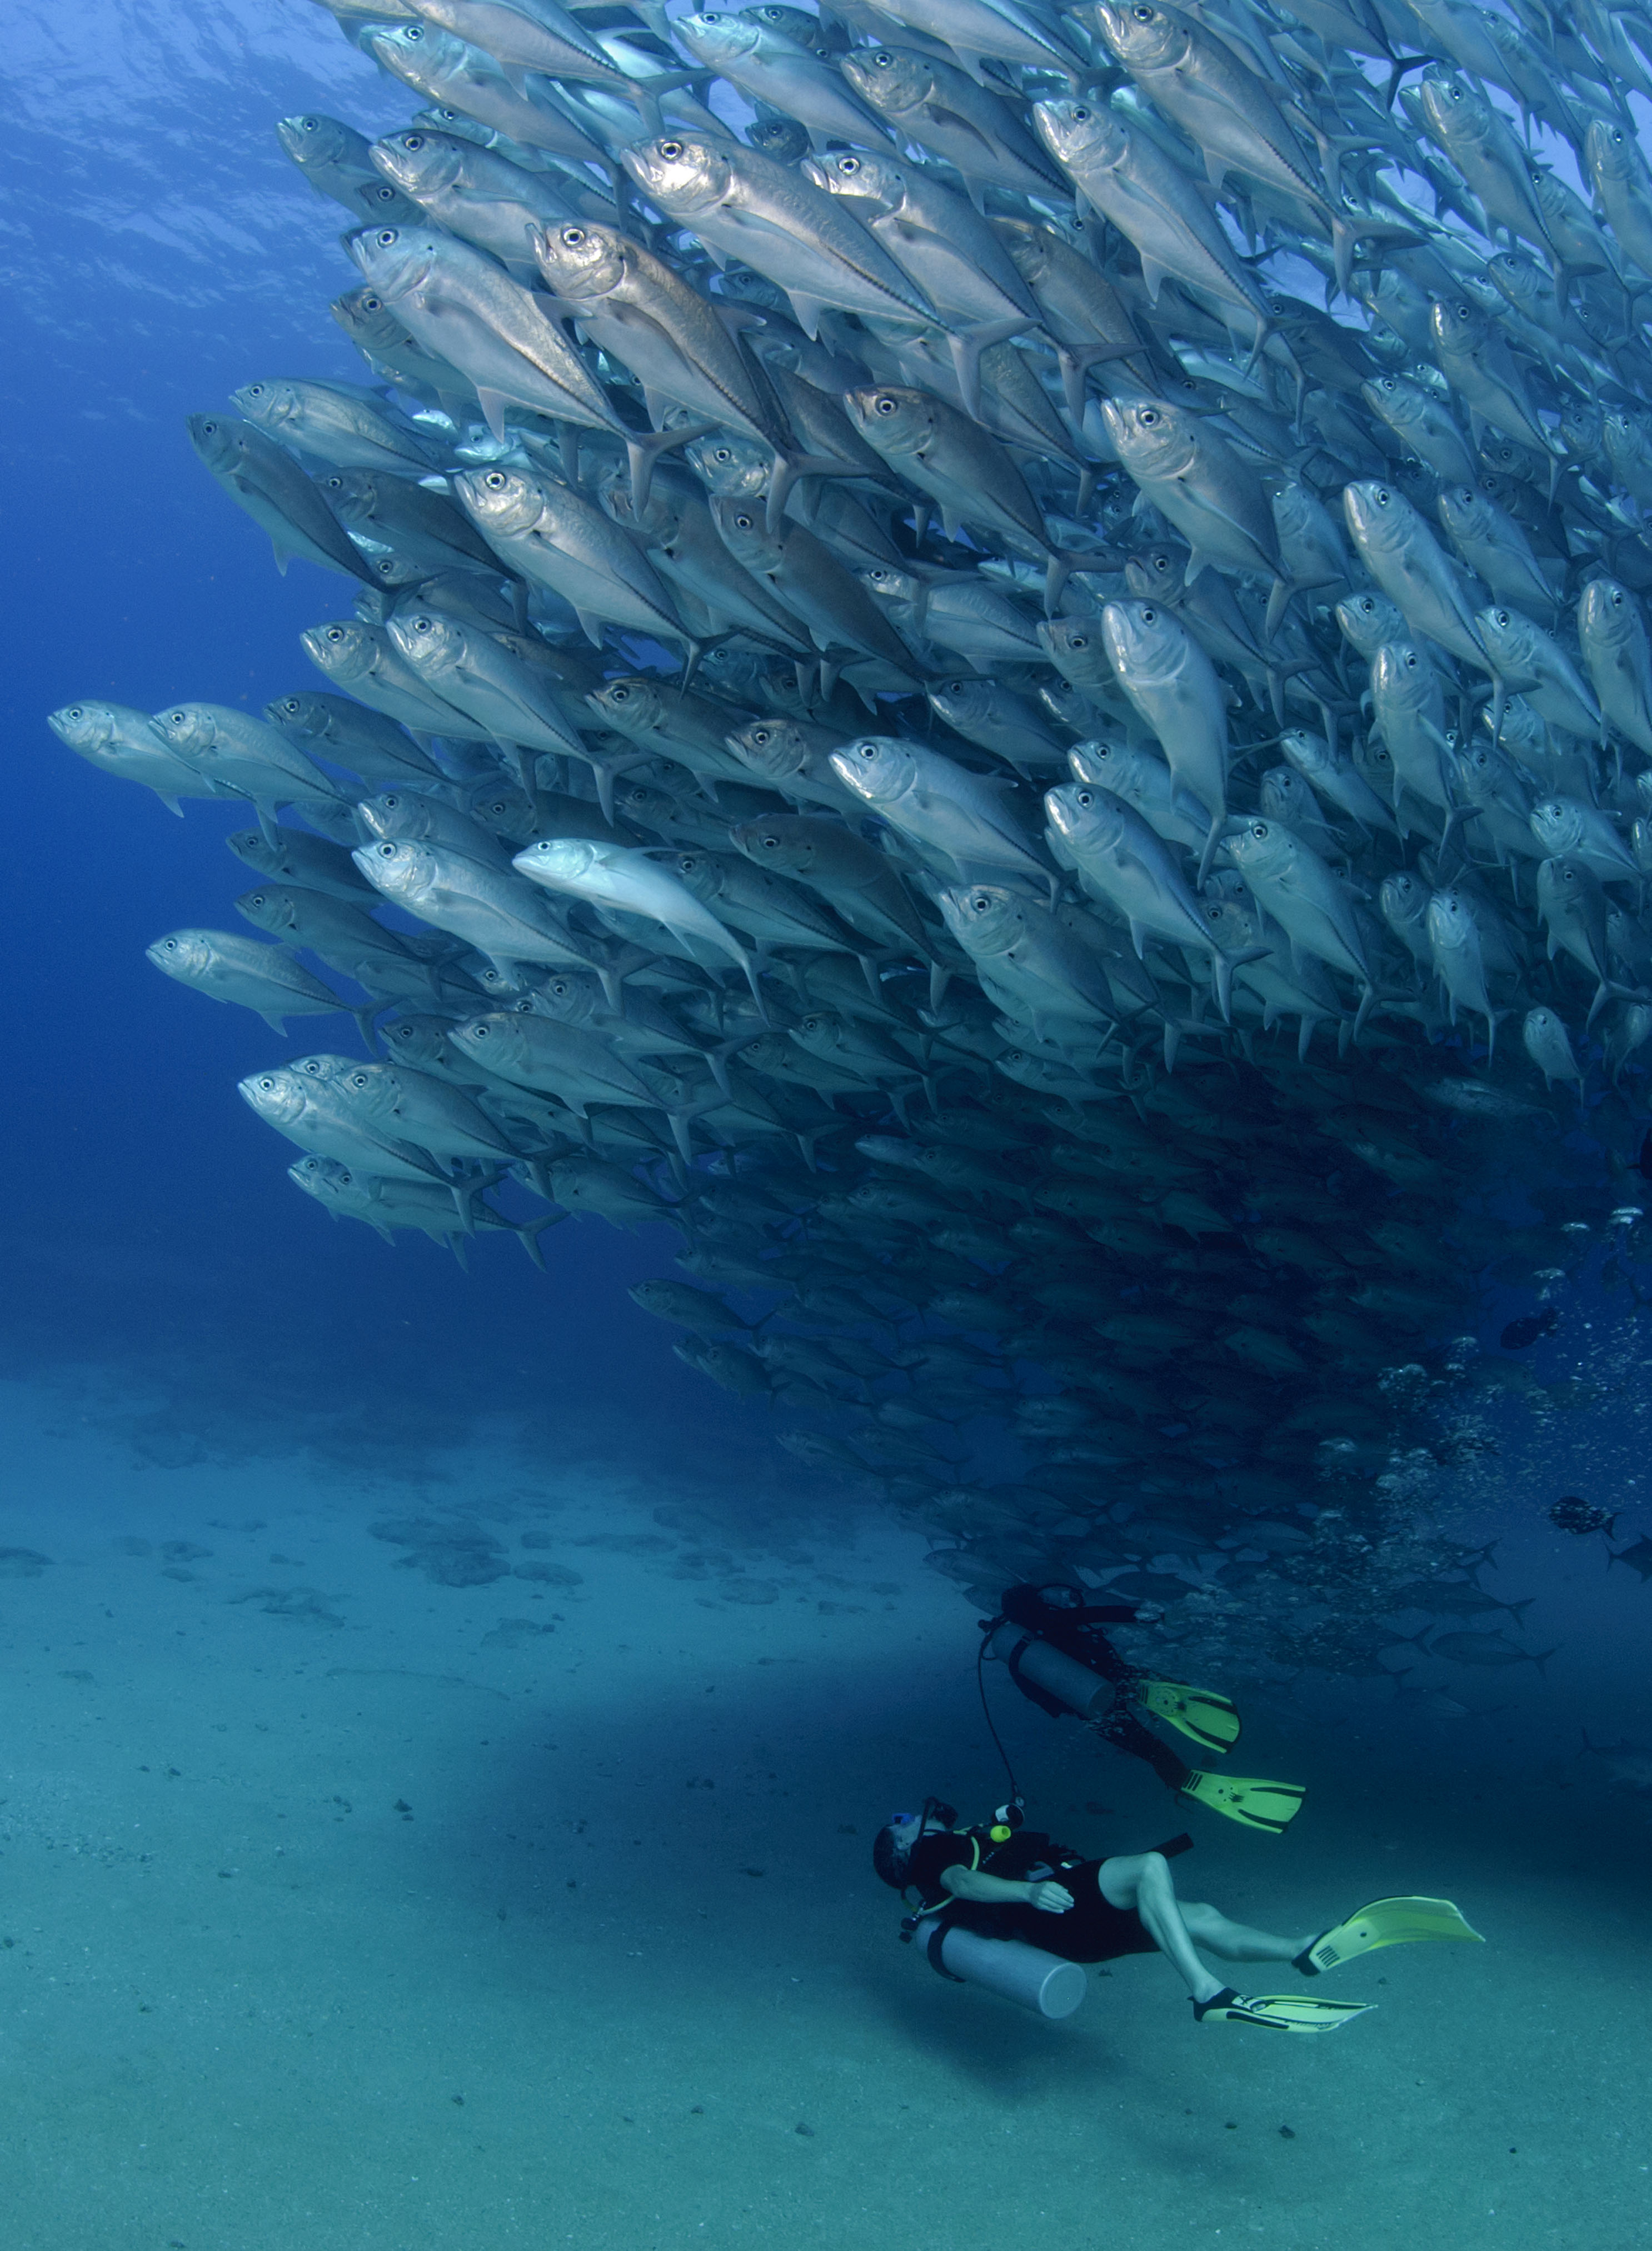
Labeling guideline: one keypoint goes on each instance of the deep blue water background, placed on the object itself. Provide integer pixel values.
(164, 250)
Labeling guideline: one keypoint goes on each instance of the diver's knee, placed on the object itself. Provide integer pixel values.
(1154, 1873)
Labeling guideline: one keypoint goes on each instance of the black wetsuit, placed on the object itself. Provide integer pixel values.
(1075, 1628)
(1091, 1930)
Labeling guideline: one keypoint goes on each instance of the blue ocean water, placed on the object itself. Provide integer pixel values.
(428, 2038)
(165, 251)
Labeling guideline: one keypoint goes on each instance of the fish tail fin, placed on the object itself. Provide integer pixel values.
(528, 1232)
(966, 346)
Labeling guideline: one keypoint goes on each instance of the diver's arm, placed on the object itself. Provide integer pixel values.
(974, 1884)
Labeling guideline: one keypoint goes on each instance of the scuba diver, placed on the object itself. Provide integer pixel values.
(1059, 1656)
(1001, 1882)
(1009, 1907)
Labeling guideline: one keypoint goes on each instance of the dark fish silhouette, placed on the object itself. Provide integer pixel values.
(1639, 1558)
(1572, 1513)
(1529, 1328)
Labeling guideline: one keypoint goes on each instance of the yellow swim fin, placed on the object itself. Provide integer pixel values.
(1209, 1719)
(1282, 2012)
(1385, 1923)
(1268, 1805)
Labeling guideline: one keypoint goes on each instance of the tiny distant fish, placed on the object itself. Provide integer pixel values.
(1643, 1161)
(1529, 1326)
(1572, 1513)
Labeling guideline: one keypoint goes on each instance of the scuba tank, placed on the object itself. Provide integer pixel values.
(1026, 1975)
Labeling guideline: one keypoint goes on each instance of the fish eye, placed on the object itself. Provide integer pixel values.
(743, 523)
(494, 480)
(1083, 798)
(370, 303)
(848, 166)
(1150, 615)
(671, 148)
(572, 237)
(386, 237)
(411, 142)
(1143, 15)
(884, 405)
(1409, 660)
(1147, 417)
(1382, 495)
(386, 851)
(382, 189)
(883, 60)
(413, 32)
(1259, 830)
(619, 695)
(1501, 617)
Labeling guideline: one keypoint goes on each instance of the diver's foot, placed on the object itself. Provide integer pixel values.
(1283, 2012)
(1220, 2001)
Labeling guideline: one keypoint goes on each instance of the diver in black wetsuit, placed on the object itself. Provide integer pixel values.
(1006, 1882)
(1059, 1656)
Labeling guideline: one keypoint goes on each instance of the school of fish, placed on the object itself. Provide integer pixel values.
(994, 659)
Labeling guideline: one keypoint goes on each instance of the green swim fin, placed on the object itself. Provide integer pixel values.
(1268, 1805)
(1385, 1923)
(1282, 2012)
(1209, 1719)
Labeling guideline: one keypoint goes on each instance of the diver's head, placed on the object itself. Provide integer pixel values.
(892, 1846)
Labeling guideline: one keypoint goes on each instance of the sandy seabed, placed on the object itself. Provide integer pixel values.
(342, 1909)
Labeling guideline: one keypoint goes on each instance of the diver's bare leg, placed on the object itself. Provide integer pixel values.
(1142, 1881)
(1236, 1941)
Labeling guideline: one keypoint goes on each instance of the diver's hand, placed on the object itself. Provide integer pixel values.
(1050, 1898)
